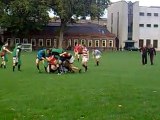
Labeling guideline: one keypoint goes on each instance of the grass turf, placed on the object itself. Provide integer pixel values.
(119, 89)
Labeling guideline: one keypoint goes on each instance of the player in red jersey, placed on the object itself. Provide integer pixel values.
(85, 57)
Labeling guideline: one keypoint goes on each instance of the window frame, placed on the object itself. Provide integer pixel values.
(111, 41)
(33, 39)
(15, 41)
(50, 42)
(76, 41)
(90, 41)
(24, 42)
(39, 41)
(155, 25)
(141, 25)
(141, 13)
(83, 41)
(156, 14)
(96, 42)
(105, 42)
(149, 14)
(148, 25)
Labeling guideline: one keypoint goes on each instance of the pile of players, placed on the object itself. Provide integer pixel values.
(59, 60)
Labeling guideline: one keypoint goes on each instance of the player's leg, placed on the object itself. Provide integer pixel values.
(97, 60)
(45, 63)
(84, 63)
(2, 57)
(14, 63)
(19, 63)
(37, 64)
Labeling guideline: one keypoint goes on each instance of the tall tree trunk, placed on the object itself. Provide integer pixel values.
(62, 27)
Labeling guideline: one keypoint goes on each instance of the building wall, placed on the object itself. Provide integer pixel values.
(140, 33)
(136, 23)
(38, 42)
(150, 33)
(118, 24)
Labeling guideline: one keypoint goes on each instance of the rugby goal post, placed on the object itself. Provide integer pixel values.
(27, 47)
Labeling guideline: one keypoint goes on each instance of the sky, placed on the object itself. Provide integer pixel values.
(144, 2)
(141, 3)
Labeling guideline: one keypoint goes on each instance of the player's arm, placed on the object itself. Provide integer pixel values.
(63, 53)
(7, 50)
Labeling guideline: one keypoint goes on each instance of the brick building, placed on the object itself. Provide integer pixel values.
(92, 35)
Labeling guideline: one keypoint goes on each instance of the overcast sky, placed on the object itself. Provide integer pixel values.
(141, 3)
(144, 2)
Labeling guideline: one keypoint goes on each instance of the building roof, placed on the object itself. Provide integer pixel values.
(80, 29)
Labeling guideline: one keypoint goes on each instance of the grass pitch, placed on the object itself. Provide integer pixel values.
(119, 89)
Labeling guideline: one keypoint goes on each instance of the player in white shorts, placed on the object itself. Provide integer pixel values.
(96, 55)
(85, 57)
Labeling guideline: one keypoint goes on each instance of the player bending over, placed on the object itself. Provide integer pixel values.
(41, 57)
(67, 61)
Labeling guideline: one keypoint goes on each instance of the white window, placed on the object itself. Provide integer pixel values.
(83, 42)
(48, 42)
(69, 42)
(40, 42)
(17, 40)
(89, 43)
(110, 43)
(75, 41)
(25, 40)
(103, 43)
(33, 41)
(9, 41)
(96, 43)
(55, 43)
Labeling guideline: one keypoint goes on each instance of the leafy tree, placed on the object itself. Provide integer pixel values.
(65, 9)
(21, 16)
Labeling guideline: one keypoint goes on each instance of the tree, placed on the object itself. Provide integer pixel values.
(65, 9)
(20, 17)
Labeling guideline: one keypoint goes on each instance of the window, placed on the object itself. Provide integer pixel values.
(148, 42)
(155, 43)
(141, 41)
(25, 40)
(155, 14)
(141, 25)
(103, 43)
(96, 43)
(69, 43)
(75, 41)
(148, 25)
(149, 14)
(141, 13)
(83, 41)
(156, 25)
(33, 41)
(55, 43)
(9, 41)
(89, 43)
(48, 42)
(110, 43)
(17, 40)
(40, 42)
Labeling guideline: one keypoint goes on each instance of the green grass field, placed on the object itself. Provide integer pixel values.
(119, 89)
